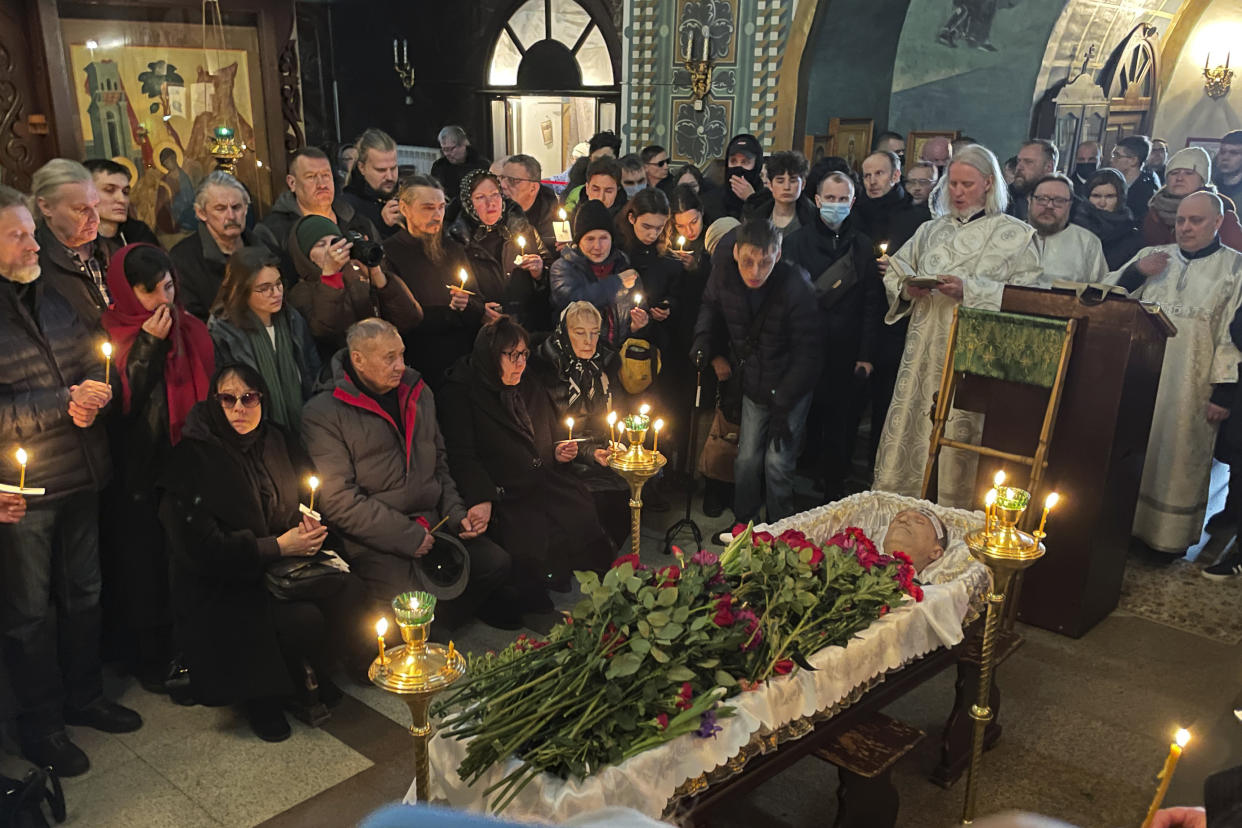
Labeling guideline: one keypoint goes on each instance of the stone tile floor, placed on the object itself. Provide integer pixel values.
(1086, 726)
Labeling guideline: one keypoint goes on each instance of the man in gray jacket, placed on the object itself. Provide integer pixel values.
(373, 437)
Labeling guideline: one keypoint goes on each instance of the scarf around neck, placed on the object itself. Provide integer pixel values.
(279, 366)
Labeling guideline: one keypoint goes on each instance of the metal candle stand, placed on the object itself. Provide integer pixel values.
(1006, 551)
(417, 671)
(636, 465)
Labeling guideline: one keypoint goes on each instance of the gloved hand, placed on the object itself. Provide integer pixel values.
(778, 427)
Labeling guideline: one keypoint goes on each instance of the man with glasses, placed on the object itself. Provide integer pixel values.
(51, 390)
(521, 181)
(920, 180)
(1129, 158)
(460, 158)
(312, 192)
(1067, 251)
(655, 166)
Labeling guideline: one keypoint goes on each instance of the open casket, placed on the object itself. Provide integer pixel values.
(784, 709)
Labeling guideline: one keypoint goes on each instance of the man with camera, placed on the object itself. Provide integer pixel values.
(341, 282)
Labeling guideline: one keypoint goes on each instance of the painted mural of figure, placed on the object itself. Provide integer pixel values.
(971, 21)
(174, 200)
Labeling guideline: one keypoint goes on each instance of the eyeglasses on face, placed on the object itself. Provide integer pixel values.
(1050, 201)
(270, 288)
(1121, 154)
(513, 179)
(661, 163)
(922, 182)
(515, 356)
(250, 399)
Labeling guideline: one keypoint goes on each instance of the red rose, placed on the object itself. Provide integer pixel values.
(667, 576)
(762, 537)
(630, 559)
(738, 528)
(724, 613)
(662, 719)
(817, 556)
(783, 667)
(684, 696)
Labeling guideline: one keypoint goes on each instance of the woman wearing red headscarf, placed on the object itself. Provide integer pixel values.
(164, 359)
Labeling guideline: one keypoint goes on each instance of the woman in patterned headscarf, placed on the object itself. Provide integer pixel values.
(505, 253)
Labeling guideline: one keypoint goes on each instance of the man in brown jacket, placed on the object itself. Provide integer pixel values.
(373, 437)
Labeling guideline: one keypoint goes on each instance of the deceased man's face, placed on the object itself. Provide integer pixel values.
(919, 534)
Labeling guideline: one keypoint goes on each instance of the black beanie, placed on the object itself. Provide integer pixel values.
(591, 215)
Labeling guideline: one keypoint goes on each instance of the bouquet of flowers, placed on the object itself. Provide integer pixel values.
(648, 654)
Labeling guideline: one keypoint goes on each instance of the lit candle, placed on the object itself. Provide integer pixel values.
(569, 421)
(313, 482)
(638, 300)
(1166, 773)
(107, 352)
(1049, 502)
(381, 627)
(21, 460)
(521, 243)
(657, 425)
(643, 409)
(883, 248)
(681, 244)
(998, 479)
(989, 503)
(461, 274)
(612, 427)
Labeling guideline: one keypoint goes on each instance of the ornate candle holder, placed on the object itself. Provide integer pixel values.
(417, 671)
(1006, 551)
(637, 465)
(226, 150)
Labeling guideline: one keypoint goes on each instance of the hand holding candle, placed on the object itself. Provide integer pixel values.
(1180, 740)
(21, 460)
(107, 352)
(381, 627)
(313, 482)
(521, 243)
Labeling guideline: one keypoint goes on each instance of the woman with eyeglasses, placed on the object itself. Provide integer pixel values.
(164, 358)
(251, 324)
(580, 375)
(231, 494)
(1129, 158)
(505, 253)
(1108, 216)
(510, 451)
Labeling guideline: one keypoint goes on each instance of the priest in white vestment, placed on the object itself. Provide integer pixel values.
(974, 250)
(1067, 252)
(1196, 282)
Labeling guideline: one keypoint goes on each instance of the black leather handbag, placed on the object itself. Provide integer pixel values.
(21, 800)
(304, 579)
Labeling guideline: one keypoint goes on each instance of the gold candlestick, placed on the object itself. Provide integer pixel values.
(381, 628)
(1166, 773)
(1006, 551)
(417, 671)
(636, 465)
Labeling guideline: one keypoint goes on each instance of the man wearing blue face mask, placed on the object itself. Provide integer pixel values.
(850, 298)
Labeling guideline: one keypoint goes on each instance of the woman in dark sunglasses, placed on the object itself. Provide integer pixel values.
(231, 508)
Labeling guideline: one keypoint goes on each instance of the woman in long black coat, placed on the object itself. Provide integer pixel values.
(230, 507)
(506, 447)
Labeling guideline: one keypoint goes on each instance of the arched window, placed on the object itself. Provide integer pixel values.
(551, 44)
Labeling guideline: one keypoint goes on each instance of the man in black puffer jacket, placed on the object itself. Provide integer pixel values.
(50, 395)
(773, 339)
(847, 283)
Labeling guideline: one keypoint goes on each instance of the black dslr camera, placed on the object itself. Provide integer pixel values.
(368, 252)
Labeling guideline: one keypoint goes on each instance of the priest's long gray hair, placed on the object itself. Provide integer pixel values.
(982, 159)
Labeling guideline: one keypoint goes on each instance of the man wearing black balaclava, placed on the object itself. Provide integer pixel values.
(743, 161)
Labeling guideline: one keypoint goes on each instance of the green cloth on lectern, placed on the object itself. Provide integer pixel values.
(1009, 346)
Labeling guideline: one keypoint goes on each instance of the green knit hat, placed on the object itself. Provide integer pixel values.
(311, 229)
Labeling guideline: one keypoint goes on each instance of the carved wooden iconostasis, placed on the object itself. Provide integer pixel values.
(146, 84)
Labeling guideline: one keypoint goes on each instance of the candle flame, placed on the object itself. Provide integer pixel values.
(381, 627)
(681, 241)
(1052, 500)
(643, 409)
(313, 482)
(21, 457)
(883, 247)
(107, 349)
(612, 418)
(658, 424)
(990, 498)
(1183, 737)
(521, 240)
(998, 479)
(569, 421)
(461, 274)
(561, 214)
(638, 298)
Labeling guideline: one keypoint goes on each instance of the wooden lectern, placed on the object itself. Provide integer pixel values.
(1095, 459)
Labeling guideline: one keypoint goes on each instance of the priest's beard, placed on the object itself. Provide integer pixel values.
(433, 246)
(24, 275)
(963, 215)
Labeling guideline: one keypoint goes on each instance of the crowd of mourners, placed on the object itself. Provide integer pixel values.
(417, 344)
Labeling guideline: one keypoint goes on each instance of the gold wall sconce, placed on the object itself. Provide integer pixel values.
(1216, 80)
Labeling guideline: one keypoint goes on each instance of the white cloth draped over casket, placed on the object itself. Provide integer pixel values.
(952, 587)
